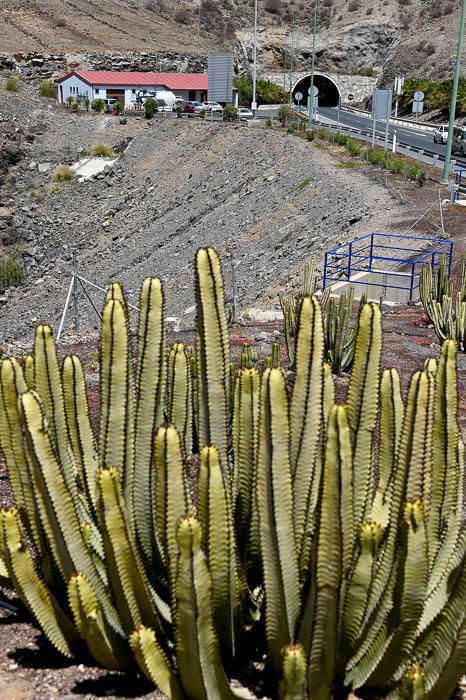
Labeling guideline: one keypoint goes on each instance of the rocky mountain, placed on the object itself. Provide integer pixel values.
(411, 37)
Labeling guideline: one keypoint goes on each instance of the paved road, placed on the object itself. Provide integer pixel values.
(412, 137)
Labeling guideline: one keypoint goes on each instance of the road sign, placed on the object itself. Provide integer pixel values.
(298, 96)
(418, 96)
(315, 91)
(399, 82)
(382, 104)
(350, 97)
(418, 107)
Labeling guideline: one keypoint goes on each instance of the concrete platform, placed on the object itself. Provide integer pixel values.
(89, 167)
(373, 284)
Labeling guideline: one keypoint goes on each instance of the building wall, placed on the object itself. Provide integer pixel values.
(73, 86)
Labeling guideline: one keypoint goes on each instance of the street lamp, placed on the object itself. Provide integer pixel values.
(254, 64)
(454, 94)
(310, 100)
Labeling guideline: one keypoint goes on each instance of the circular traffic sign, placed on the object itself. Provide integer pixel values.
(418, 95)
(314, 92)
(350, 96)
(298, 96)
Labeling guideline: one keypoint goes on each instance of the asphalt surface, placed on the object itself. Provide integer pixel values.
(406, 136)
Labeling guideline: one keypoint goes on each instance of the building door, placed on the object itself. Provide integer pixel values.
(192, 96)
(61, 94)
(116, 95)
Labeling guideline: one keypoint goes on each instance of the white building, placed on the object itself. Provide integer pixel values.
(124, 86)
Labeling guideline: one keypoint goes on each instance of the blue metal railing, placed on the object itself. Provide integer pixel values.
(458, 181)
(379, 252)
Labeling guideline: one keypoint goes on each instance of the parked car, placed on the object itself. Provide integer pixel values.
(109, 104)
(441, 135)
(197, 106)
(245, 113)
(459, 141)
(189, 108)
(212, 107)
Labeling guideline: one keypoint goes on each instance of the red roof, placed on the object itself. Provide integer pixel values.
(173, 81)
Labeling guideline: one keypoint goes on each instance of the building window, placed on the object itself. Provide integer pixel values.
(97, 91)
(133, 91)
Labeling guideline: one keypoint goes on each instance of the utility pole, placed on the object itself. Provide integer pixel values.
(291, 60)
(199, 23)
(254, 63)
(313, 60)
(454, 94)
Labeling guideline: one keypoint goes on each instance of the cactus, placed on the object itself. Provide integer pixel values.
(339, 335)
(445, 308)
(347, 540)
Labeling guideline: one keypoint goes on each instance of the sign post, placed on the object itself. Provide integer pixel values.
(298, 97)
(399, 82)
(381, 109)
(418, 104)
(313, 93)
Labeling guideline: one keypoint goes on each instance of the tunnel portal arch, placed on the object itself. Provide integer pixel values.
(329, 92)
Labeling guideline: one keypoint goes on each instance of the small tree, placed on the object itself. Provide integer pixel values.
(117, 108)
(285, 113)
(48, 88)
(230, 112)
(98, 105)
(12, 84)
(75, 106)
(150, 108)
(69, 100)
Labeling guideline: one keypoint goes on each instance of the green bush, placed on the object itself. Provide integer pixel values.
(395, 165)
(75, 106)
(101, 149)
(150, 108)
(202, 114)
(353, 148)
(310, 135)
(70, 100)
(117, 108)
(63, 173)
(48, 88)
(267, 92)
(123, 120)
(98, 105)
(230, 112)
(416, 173)
(376, 157)
(12, 84)
(11, 270)
(285, 114)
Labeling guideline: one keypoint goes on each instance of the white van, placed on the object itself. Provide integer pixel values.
(441, 135)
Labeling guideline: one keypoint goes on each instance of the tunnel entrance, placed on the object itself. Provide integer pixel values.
(329, 93)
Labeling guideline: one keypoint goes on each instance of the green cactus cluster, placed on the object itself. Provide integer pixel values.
(445, 307)
(321, 550)
(339, 333)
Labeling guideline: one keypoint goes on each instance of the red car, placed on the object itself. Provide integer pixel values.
(189, 108)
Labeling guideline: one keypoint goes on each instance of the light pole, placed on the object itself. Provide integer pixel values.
(310, 100)
(454, 94)
(254, 62)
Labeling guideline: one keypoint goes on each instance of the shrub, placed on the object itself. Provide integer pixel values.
(117, 108)
(11, 270)
(353, 148)
(75, 106)
(310, 135)
(63, 173)
(123, 120)
(101, 149)
(202, 114)
(150, 108)
(12, 84)
(98, 105)
(285, 113)
(182, 16)
(376, 157)
(48, 88)
(267, 92)
(230, 112)
(416, 173)
(395, 165)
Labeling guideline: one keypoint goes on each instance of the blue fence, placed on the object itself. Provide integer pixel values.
(387, 253)
(458, 181)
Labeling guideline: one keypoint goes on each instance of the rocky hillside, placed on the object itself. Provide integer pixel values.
(265, 200)
(412, 37)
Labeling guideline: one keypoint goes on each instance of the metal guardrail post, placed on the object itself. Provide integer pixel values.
(371, 252)
(450, 256)
(349, 260)
(325, 271)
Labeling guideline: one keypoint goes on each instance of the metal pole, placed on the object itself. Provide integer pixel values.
(291, 59)
(311, 108)
(441, 212)
(75, 295)
(385, 146)
(338, 112)
(394, 142)
(373, 126)
(254, 62)
(454, 94)
(68, 297)
(199, 23)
